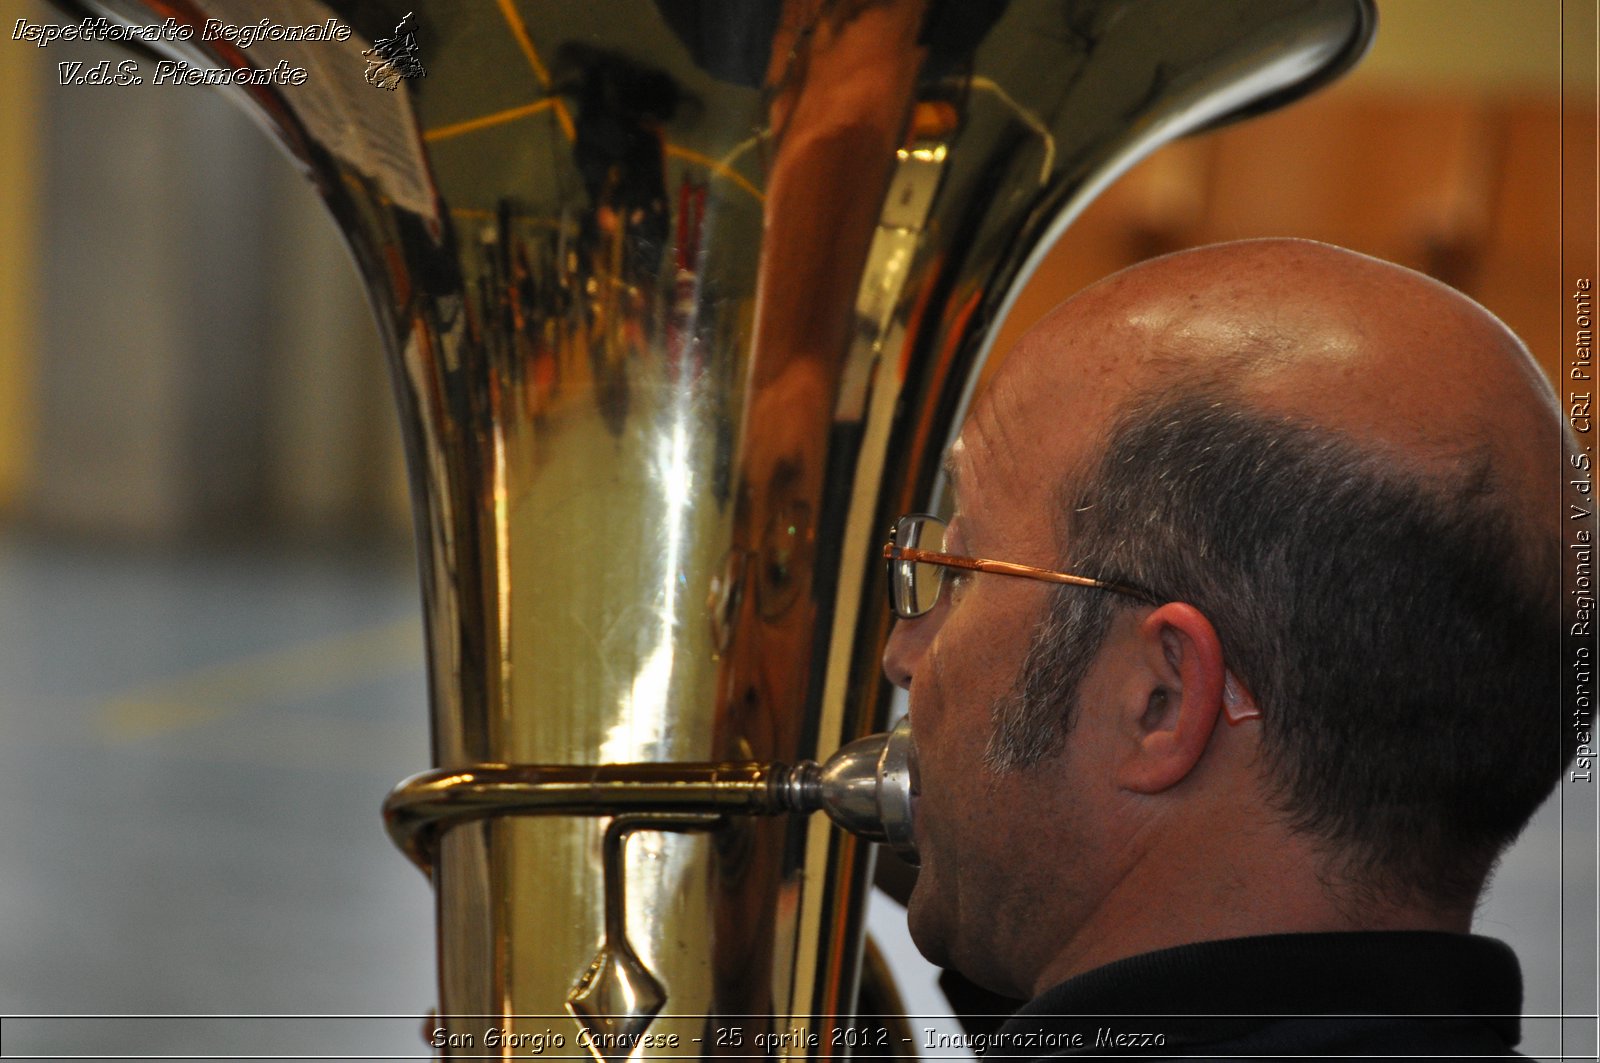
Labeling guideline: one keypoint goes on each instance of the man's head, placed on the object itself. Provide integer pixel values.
(1343, 481)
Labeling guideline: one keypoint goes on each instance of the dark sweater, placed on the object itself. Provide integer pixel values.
(1362, 994)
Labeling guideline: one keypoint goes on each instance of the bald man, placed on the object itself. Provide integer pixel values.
(1266, 680)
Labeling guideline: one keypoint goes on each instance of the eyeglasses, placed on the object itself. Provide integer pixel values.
(916, 568)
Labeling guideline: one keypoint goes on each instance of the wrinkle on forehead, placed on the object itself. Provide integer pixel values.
(951, 467)
(989, 446)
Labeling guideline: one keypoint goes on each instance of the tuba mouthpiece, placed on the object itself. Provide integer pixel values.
(865, 788)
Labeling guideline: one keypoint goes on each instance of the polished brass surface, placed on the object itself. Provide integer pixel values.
(420, 809)
(865, 787)
(681, 300)
(617, 998)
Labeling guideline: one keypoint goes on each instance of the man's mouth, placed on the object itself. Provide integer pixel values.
(913, 790)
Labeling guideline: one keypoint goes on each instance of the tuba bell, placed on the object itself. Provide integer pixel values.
(682, 299)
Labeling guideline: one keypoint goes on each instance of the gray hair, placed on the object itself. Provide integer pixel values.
(1397, 632)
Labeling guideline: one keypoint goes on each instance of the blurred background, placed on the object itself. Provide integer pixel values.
(210, 645)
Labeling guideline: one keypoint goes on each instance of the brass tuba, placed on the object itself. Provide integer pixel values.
(681, 300)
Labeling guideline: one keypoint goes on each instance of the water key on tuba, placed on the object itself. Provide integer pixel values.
(681, 300)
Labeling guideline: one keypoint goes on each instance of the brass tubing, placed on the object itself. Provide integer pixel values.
(422, 807)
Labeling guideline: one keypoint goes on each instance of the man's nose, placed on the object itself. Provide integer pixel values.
(907, 641)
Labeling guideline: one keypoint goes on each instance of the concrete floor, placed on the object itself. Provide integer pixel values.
(192, 754)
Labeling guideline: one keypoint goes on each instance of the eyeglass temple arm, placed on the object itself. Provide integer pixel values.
(891, 552)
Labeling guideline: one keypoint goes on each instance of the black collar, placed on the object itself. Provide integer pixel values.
(1222, 990)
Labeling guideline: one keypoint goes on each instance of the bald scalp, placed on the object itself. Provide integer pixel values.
(1406, 368)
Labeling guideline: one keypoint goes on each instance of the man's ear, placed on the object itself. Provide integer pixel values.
(1182, 684)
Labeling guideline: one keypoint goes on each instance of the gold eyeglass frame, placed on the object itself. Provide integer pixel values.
(893, 553)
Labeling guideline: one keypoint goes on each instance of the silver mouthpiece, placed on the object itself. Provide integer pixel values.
(865, 787)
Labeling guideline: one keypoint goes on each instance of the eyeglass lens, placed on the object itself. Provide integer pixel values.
(915, 585)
